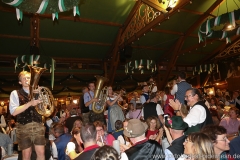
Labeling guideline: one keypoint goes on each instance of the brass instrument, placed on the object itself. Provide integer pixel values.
(101, 94)
(45, 108)
(151, 85)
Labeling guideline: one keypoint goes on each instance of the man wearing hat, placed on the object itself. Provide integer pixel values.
(142, 147)
(176, 128)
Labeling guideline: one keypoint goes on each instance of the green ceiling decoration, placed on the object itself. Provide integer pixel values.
(140, 65)
(217, 27)
(205, 68)
(38, 61)
(44, 6)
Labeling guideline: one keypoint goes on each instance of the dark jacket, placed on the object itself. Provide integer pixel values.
(145, 149)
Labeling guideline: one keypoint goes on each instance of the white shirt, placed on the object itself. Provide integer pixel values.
(111, 98)
(154, 89)
(54, 151)
(124, 156)
(158, 109)
(70, 147)
(14, 101)
(174, 89)
(51, 137)
(168, 155)
(196, 115)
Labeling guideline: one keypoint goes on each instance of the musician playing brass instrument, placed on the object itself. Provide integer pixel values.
(88, 101)
(152, 85)
(30, 129)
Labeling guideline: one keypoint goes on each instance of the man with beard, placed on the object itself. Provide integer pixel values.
(198, 116)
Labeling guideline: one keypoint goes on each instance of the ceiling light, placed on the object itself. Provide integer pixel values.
(171, 5)
(228, 27)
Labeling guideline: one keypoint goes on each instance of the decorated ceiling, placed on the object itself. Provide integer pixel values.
(127, 41)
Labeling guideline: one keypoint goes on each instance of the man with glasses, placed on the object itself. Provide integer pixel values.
(198, 116)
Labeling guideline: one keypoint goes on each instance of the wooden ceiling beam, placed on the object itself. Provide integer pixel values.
(56, 40)
(150, 48)
(61, 17)
(74, 41)
(14, 36)
(180, 41)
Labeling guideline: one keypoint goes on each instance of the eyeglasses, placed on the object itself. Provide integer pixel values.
(188, 96)
(224, 139)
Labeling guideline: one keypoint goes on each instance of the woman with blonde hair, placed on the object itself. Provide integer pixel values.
(198, 146)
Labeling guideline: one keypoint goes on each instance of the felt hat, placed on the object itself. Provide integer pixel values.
(177, 123)
(135, 128)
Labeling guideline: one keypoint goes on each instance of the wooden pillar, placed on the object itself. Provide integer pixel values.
(34, 30)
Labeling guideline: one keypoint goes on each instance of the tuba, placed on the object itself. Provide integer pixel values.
(101, 94)
(45, 108)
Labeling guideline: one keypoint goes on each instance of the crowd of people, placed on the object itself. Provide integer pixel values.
(177, 123)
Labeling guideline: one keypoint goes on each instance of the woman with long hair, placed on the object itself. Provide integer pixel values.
(114, 110)
(74, 147)
(154, 131)
(198, 146)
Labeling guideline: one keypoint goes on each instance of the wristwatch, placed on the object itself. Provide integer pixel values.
(175, 111)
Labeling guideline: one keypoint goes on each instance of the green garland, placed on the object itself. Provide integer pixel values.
(32, 6)
(213, 28)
